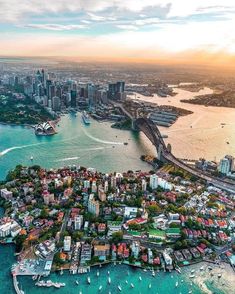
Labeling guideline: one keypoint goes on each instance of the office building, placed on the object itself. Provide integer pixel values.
(56, 103)
(73, 97)
(116, 90)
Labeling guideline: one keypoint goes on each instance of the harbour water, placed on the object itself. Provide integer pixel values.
(201, 133)
(96, 145)
(124, 276)
(102, 147)
(7, 259)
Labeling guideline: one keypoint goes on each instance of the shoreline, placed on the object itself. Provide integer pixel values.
(223, 266)
(54, 122)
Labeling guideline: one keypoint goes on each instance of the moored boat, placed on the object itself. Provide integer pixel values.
(85, 118)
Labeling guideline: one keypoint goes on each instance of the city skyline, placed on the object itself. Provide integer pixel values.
(156, 30)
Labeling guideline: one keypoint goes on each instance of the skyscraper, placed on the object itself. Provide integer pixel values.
(116, 91)
(73, 98)
(56, 103)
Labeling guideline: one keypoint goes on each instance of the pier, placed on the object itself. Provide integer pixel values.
(16, 285)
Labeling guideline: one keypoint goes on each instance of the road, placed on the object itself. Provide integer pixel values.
(153, 134)
(64, 224)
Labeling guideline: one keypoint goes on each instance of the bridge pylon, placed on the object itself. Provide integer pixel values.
(160, 153)
(133, 125)
(169, 148)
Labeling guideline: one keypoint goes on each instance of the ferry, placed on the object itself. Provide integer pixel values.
(119, 288)
(85, 118)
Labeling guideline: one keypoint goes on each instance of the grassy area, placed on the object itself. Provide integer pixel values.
(21, 111)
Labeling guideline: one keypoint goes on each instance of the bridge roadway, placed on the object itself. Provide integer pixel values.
(153, 134)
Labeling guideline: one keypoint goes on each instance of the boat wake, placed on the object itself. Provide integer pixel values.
(99, 140)
(4, 152)
(67, 159)
(77, 157)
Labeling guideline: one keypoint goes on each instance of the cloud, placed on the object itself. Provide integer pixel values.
(85, 21)
(147, 21)
(127, 27)
(54, 27)
(96, 17)
(15, 10)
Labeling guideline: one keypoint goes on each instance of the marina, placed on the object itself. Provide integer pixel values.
(200, 284)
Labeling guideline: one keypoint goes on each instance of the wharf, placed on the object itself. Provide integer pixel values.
(16, 285)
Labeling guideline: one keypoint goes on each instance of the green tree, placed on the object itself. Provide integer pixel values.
(117, 237)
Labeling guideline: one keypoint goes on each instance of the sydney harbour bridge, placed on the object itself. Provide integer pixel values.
(165, 153)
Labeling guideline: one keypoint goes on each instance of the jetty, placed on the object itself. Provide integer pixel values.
(16, 286)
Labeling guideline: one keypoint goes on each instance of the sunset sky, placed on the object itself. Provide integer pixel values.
(119, 29)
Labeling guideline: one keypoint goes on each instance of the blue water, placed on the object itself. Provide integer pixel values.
(162, 283)
(97, 145)
(7, 259)
(101, 147)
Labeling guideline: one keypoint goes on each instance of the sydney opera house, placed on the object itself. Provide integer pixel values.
(44, 129)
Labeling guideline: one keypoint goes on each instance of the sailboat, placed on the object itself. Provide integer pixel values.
(150, 286)
(119, 288)
(98, 273)
(132, 286)
(88, 280)
(140, 278)
(176, 284)
(109, 280)
(100, 288)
